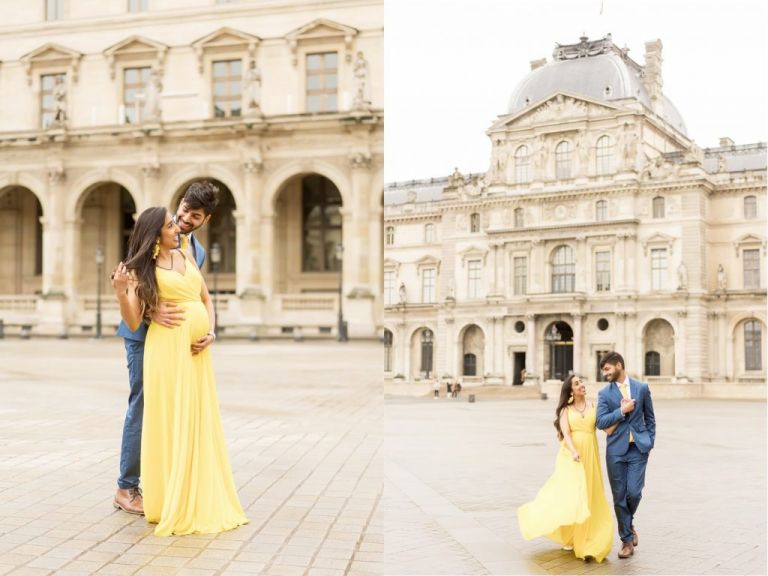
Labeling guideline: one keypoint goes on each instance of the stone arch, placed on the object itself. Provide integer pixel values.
(659, 337)
(472, 351)
(558, 349)
(277, 180)
(89, 181)
(28, 181)
(417, 350)
(22, 243)
(185, 176)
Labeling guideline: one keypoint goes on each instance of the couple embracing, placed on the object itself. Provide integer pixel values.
(571, 507)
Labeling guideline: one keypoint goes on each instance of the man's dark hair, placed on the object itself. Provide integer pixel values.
(201, 195)
(612, 358)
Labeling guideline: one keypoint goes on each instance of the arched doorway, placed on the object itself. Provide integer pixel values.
(21, 242)
(658, 349)
(388, 341)
(472, 352)
(221, 230)
(423, 354)
(558, 339)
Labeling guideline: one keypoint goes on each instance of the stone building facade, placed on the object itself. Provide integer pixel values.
(107, 108)
(599, 225)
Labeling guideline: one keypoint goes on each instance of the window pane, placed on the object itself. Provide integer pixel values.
(219, 69)
(236, 68)
(313, 103)
(330, 81)
(331, 60)
(314, 61)
(314, 82)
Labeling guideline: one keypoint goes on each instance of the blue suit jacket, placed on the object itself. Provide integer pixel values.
(140, 333)
(641, 421)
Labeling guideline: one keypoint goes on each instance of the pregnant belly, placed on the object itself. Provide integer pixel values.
(196, 319)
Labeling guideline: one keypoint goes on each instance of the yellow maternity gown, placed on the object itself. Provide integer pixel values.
(571, 507)
(187, 480)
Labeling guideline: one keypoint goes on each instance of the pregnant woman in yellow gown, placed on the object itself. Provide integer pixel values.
(186, 475)
(571, 507)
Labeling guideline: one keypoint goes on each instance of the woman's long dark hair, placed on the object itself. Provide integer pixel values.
(565, 395)
(140, 246)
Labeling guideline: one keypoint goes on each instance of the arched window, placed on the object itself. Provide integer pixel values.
(321, 203)
(387, 350)
(753, 336)
(427, 347)
(601, 210)
(519, 218)
(658, 207)
(429, 233)
(563, 160)
(652, 364)
(750, 207)
(470, 365)
(604, 155)
(474, 223)
(563, 270)
(522, 165)
(389, 237)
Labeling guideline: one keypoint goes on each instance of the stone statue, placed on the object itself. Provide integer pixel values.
(582, 148)
(360, 69)
(682, 277)
(456, 180)
(253, 90)
(629, 146)
(539, 157)
(152, 98)
(60, 102)
(721, 282)
(721, 166)
(401, 293)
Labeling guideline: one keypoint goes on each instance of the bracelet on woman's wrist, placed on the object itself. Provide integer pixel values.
(212, 335)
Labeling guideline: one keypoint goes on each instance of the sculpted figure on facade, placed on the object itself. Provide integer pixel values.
(456, 180)
(539, 153)
(582, 149)
(628, 146)
(152, 98)
(60, 103)
(401, 293)
(498, 163)
(360, 70)
(682, 277)
(253, 90)
(721, 280)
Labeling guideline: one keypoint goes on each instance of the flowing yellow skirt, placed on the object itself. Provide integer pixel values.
(571, 508)
(186, 475)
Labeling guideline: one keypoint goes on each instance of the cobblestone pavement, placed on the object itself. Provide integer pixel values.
(303, 426)
(456, 472)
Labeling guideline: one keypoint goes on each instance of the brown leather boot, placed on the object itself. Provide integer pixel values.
(634, 536)
(627, 549)
(129, 500)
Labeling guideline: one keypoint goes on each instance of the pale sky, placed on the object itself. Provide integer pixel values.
(452, 65)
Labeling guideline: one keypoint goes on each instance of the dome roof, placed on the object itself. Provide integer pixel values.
(598, 70)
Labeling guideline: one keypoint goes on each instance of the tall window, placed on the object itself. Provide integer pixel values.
(753, 345)
(602, 271)
(322, 82)
(521, 275)
(387, 350)
(227, 88)
(658, 207)
(47, 98)
(599, 374)
(427, 348)
(751, 269)
(135, 81)
(474, 222)
(750, 207)
(658, 268)
(522, 165)
(563, 270)
(138, 5)
(39, 241)
(429, 233)
(652, 364)
(54, 9)
(474, 278)
(563, 160)
(389, 287)
(389, 236)
(601, 210)
(428, 285)
(519, 218)
(470, 365)
(321, 206)
(604, 155)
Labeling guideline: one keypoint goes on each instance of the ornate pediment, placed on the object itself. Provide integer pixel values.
(49, 56)
(659, 240)
(136, 48)
(427, 261)
(390, 264)
(559, 106)
(225, 39)
(472, 253)
(749, 241)
(318, 31)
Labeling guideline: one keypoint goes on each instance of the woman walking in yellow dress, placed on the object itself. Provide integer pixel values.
(187, 480)
(571, 507)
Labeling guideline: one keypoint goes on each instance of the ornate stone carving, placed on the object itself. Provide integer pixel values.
(456, 180)
(583, 49)
(56, 173)
(253, 91)
(682, 277)
(360, 160)
(721, 279)
(151, 169)
(253, 165)
(360, 70)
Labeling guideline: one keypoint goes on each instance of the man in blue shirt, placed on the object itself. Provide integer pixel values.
(194, 211)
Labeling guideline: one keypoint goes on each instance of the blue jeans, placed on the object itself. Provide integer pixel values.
(626, 474)
(130, 452)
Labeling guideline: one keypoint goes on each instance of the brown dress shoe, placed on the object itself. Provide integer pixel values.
(627, 549)
(634, 536)
(129, 500)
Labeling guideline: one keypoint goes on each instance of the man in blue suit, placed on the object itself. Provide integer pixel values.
(194, 211)
(627, 402)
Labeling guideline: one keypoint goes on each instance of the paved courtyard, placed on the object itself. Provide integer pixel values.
(303, 426)
(456, 472)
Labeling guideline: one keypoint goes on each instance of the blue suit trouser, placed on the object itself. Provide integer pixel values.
(626, 474)
(130, 451)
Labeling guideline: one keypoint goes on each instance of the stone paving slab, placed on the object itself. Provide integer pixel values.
(456, 472)
(303, 427)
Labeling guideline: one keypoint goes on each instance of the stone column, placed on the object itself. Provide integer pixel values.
(715, 345)
(533, 369)
(582, 282)
(630, 255)
(680, 347)
(537, 268)
(577, 343)
(252, 245)
(620, 282)
(151, 193)
(53, 302)
(724, 345)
